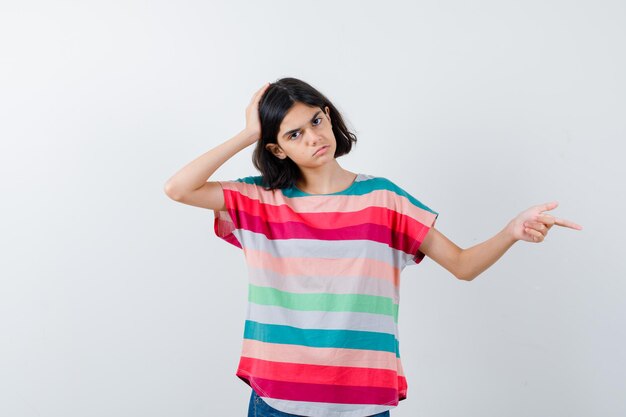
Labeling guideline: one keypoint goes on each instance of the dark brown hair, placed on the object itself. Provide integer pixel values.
(273, 106)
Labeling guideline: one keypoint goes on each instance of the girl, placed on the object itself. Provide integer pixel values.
(324, 249)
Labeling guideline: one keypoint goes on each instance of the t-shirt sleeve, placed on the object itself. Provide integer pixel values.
(415, 219)
(228, 223)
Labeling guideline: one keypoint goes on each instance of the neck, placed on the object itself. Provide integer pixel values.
(324, 180)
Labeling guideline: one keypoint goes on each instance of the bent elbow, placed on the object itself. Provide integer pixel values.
(468, 277)
(464, 276)
(171, 192)
(460, 267)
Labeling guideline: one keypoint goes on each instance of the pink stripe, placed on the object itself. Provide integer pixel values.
(331, 284)
(394, 237)
(321, 356)
(280, 205)
(224, 229)
(341, 394)
(339, 267)
(319, 374)
(338, 203)
(257, 217)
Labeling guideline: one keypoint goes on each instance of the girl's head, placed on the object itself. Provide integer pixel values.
(296, 120)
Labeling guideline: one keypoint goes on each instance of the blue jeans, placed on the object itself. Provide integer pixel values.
(259, 408)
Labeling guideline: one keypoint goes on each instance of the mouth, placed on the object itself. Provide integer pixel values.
(323, 147)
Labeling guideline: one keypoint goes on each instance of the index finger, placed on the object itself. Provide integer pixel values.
(262, 88)
(257, 96)
(567, 223)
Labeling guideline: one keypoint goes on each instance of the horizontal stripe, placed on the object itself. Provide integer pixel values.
(338, 267)
(322, 409)
(252, 207)
(321, 356)
(268, 220)
(225, 229)
(327, 249)
(385, 191)
(351, 339)
(341, 394)
(316, 374)
(417, 240)
(321, 334)
(307, 283)
(323, 302)
(321, 319)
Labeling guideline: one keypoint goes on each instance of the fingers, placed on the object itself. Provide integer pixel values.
(259, 93)
(567, 223)
(262, 89)
(551, 220)
(537, 226)
(536, 230)
(540, 227)
(536, 236)
(546, 218)
(549, 206)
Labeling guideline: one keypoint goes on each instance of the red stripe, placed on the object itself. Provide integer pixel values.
(223, 230)
(280, 222)
(319, 374)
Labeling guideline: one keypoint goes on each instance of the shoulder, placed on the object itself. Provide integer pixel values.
(383, 183)
(381, 188)
(374, 180)
(247, 185)
(401, 195)
(247, 182)
(251, 179)
(253, 186)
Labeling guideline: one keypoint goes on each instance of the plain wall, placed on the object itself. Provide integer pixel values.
(117, 301)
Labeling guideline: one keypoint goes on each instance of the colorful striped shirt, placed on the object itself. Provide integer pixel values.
(321, 331)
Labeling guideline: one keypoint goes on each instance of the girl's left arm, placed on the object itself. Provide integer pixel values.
(531, 225)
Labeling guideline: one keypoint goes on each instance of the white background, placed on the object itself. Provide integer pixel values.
(117, 301)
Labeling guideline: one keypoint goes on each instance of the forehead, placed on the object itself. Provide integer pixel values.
(297, 116)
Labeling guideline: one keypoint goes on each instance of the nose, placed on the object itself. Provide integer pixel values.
(312, 138)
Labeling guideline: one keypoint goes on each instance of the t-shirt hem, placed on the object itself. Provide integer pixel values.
(312, 411)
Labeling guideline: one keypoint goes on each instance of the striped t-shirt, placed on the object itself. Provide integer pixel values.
(321, 331)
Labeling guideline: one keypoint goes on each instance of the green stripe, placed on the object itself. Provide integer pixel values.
(324, 301)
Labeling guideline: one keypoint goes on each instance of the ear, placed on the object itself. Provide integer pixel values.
(327, 111)
(275, 150)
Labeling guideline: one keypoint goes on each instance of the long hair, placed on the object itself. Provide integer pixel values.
(273, 106)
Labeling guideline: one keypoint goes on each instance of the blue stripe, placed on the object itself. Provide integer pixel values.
(346, 339)
(358, 188)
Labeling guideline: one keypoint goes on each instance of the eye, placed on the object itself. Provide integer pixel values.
(320, 122)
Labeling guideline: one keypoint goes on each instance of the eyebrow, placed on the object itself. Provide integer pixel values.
(295, 130)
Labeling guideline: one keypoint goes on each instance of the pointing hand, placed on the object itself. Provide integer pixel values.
(532, 225)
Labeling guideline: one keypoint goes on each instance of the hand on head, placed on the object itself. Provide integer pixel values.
(253, 121)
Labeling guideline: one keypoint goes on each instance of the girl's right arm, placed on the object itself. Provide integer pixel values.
(190, 186)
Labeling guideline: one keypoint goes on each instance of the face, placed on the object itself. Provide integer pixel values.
(304, 130)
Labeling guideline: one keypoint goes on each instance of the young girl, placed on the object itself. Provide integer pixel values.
(324, 249)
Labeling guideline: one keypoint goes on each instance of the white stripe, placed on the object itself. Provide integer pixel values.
(319, 409)
(341, 320)
(324, 284)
